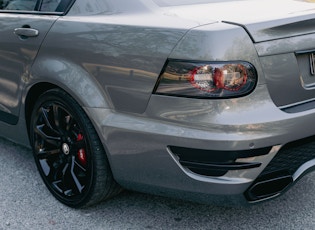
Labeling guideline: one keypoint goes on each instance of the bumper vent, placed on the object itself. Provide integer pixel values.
(215, 163)
(291, 156)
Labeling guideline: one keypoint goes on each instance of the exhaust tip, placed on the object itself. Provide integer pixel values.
(268, 188)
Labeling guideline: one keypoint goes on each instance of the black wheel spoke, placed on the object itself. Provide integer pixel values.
(69, 122)
(47, 120)
(57, 185)
(53, 169)
(45, 167)
(46, 154)
(65, 186)
(79, 186)
(80, 167)
(47, 138)
(65, 168)
(56, 113)
(65, 179)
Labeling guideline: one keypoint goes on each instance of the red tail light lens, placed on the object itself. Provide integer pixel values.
(207, 80)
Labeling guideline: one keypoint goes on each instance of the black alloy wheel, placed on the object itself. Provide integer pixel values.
(68, 152)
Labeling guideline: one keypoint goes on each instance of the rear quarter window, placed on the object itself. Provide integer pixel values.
(50, 5)
(45, 6)
(25, 5)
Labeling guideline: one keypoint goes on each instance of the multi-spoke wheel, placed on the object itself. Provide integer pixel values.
(68, 152)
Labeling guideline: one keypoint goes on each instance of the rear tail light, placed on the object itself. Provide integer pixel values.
(207, 79)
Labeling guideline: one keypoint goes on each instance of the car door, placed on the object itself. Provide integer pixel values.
(22, 30)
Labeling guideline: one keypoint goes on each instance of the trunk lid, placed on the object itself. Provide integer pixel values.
(264, 20)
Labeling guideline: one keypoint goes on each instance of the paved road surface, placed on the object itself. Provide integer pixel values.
(26, 204)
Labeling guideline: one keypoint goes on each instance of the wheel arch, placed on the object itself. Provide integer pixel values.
(70, 76)
(54, 72)
(41, 87)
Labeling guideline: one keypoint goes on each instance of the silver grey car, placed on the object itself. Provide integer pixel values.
(203, 100)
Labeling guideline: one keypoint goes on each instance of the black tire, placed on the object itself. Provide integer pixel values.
(68, 153)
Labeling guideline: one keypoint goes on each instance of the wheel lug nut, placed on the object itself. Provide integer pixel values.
(65, 148)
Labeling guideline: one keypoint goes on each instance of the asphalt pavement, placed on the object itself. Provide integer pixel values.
(25, 203)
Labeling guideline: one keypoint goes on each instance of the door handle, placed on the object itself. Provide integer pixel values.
(26, 32)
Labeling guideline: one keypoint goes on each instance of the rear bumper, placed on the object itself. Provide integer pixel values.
(253, 141)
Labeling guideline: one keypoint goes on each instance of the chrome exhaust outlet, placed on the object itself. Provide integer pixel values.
(268, 188)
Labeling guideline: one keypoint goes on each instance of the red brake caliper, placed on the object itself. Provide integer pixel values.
(81, 152)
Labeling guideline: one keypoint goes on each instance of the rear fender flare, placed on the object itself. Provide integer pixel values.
(70, 77)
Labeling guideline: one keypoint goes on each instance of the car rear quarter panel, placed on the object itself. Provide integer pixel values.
(108, 61)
